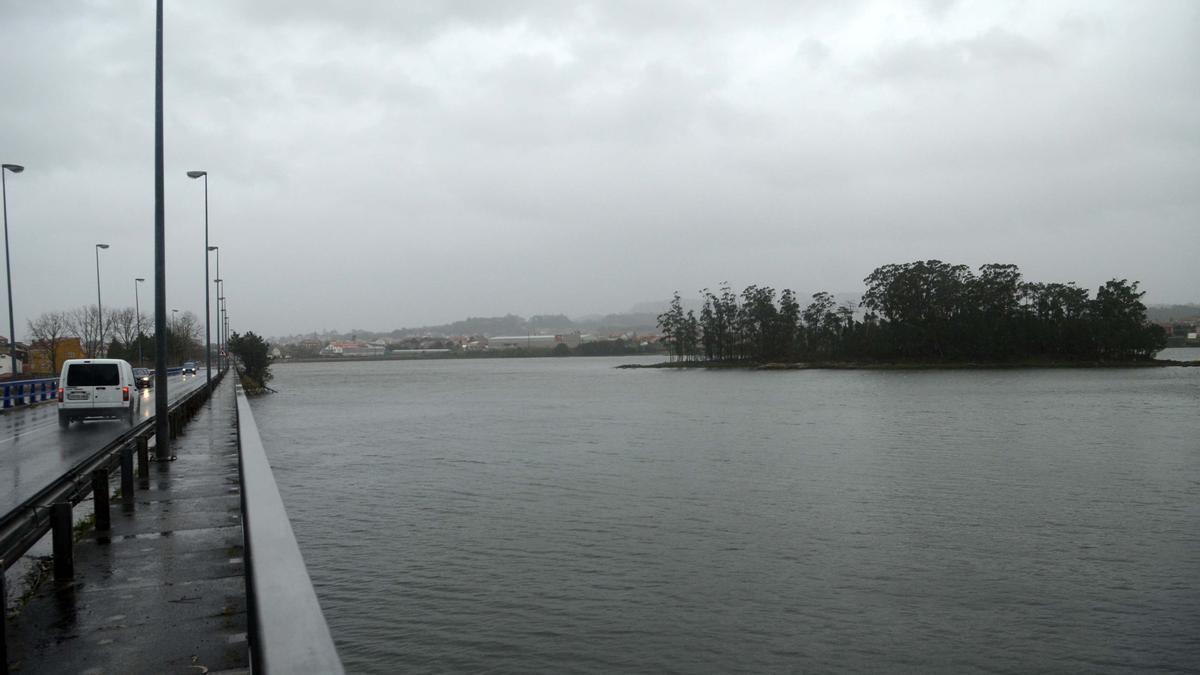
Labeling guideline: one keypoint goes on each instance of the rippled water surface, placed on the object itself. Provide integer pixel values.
(558, 515)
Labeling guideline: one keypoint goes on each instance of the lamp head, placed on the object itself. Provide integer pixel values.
(197, 174)
(101, 245)
(15, 168)
(213, 248)
(139, 279)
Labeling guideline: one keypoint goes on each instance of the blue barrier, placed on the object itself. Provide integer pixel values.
(26, 392)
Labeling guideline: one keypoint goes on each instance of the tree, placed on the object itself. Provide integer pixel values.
(183, 337)
(123, 323)
(84, 322)
(671, 325)
(1119, 320)
(252, 354)
(50, 329)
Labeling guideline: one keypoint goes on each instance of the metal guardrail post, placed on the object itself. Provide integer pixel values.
(127, 474)
(63, 539)
(3, 621)
(100, 500)
(143, 456)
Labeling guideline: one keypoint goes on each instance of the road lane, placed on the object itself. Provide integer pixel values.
(34, 450)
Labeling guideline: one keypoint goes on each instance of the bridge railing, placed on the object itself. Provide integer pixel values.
(288, 633)
(25, 392)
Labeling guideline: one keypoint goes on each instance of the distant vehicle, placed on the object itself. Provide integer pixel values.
(189, 368)
(144, 377)
(95, 389)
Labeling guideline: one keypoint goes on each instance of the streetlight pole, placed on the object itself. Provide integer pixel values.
(137, 311)
(175, 330)
(12, 330)
(207, 307)
(218, 250)
(220, 302)
(162, 429)
(221, 321)
(99, 307)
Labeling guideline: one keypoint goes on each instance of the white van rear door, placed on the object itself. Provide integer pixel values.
(97, 383)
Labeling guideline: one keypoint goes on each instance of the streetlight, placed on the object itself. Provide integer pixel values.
(218, 250)
(221, 316)
(207, 307)
(99, 308)
(137, 310)
(12, 331)
(221, 358)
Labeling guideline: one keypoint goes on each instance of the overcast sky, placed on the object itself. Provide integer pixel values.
(385, 164)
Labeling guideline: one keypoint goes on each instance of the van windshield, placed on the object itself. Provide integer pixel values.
(93, 375)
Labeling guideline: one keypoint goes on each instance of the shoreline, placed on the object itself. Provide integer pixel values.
(915, 365)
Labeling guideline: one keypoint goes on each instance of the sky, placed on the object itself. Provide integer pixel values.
(378, 165)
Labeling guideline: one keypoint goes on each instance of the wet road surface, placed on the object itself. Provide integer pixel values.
(34, 450)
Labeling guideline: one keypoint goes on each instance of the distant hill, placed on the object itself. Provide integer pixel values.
(492, 326)
(642, 318)
(1173, 312)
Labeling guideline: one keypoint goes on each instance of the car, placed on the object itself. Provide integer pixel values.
(144, 377)
(189, 368)
(96, 389)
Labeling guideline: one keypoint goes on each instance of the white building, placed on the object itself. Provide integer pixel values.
(352, 349)
(532, 341)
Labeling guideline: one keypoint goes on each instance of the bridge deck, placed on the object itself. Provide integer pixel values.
(163, 591)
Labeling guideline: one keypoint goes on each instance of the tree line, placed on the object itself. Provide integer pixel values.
(919, 311)
(119, 335)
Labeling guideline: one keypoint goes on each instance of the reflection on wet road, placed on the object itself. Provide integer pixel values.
(34, 450)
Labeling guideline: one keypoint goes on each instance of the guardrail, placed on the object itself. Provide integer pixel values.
(288, 633)
(24, 392)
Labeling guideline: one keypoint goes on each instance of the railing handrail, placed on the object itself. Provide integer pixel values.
(288, 632)
(36, 380)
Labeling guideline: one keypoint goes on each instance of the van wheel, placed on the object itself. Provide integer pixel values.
(132, 415)
(64, 421)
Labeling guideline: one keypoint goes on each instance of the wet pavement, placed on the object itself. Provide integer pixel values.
(163, 591)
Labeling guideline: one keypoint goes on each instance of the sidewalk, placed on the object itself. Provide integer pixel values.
(163, 591)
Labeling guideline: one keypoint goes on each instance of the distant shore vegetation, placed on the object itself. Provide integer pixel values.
(918, 312)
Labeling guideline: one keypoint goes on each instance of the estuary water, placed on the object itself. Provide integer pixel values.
(558, 515)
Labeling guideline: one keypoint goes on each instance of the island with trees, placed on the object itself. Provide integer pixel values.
(919, 314)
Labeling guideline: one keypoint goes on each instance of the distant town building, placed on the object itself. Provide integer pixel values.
(6, 366)
(355, 348)
(532, 341)
(67, 348)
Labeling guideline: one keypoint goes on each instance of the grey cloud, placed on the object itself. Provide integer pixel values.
(389, 164)
(985, 53)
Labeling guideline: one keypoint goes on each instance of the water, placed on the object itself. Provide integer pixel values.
(558, 515)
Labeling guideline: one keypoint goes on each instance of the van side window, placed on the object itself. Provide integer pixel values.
(93, 375)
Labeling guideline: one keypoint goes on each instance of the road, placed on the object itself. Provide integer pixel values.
(34, 450)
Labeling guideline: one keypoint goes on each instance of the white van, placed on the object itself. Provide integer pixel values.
(96, 389)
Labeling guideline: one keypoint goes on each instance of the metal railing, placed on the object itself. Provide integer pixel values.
(25, 392)
(288, 633)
